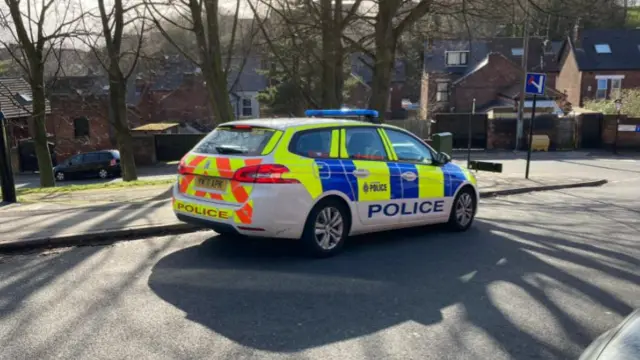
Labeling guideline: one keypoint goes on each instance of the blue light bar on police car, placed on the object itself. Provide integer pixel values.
(341, 113)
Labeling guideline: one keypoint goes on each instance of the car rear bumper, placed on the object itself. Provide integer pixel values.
(276, 212)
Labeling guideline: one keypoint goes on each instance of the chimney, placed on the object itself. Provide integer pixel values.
(139, 84)
(575, 36)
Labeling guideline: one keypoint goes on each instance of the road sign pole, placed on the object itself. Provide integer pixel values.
(473, 112)
(6, 174)
(533, 116)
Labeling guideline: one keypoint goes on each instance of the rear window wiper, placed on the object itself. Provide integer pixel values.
(230, 149)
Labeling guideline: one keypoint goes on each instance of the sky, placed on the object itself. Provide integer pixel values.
(72, 8)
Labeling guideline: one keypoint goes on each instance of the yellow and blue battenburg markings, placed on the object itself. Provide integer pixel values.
(337, 175)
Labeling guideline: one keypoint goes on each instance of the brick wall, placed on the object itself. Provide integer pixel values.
(485, 84)
(61, 124)
(569, 80)
(428, 95)
(189, 103)
(626, 139)
(631, 81)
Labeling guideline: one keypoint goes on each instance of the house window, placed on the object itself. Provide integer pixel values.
(456, 58)
(616, 86)
(81, 127)
(442, 91)
(601, 92)
(517, 51)
(247, 107)
(603, 49)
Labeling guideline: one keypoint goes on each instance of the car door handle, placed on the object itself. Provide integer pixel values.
(361, 173)
(409, 176)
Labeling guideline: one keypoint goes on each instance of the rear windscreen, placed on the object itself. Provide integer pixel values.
(248, 141)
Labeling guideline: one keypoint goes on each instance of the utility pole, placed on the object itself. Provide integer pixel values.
(525, 55)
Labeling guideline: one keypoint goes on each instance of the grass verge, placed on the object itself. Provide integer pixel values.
(98, 186)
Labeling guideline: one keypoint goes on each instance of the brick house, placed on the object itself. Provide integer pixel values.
(456, 71)
(79, 120)
(596, 64)
(177, 93)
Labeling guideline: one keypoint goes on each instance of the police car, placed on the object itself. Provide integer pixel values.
(320, 179)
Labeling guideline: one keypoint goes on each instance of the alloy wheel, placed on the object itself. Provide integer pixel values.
(329, 227)
(464, 209)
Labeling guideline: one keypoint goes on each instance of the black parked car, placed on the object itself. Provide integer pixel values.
(102, 164)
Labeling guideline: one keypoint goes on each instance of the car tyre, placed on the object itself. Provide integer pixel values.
(326, 229)
(103, 173)
(463, 210)
(60, 176)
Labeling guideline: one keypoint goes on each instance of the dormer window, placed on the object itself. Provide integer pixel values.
(603, 49)
(456, 58)
(517, 51)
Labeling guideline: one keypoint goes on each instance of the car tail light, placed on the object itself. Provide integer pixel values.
(113, 162)
(263, 174)
(183, 169)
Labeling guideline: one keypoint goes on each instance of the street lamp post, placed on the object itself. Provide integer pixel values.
(618, 104)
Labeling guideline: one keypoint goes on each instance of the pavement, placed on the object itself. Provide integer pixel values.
(538, 276)
(77, 217)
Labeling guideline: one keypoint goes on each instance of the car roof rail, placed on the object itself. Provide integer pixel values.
(359, 114)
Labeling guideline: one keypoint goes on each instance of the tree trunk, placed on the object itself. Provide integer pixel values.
(338, 53)
(329, 99)
(39, 129)
(118, 103)
(208, 39)
(385, 43)
(218, 95)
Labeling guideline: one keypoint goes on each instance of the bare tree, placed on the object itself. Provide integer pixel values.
(202, 19)
(117, 47)
(38, 39)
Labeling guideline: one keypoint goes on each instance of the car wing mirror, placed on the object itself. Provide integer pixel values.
(443, 158)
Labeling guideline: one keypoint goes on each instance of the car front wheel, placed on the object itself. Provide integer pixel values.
(463, 210)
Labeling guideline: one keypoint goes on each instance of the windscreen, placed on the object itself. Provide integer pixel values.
(240, 141)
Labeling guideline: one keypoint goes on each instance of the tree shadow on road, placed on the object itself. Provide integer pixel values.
(263, 295)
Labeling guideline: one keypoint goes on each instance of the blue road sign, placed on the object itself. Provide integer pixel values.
(535, 83)
(637, 128)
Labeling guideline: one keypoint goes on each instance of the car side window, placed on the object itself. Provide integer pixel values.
(76, 159)
(313, 143)
(91, 158)
(364, 143)
(105, 157)
(408, 148)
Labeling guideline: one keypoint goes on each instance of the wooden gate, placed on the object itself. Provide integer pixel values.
(591, 131)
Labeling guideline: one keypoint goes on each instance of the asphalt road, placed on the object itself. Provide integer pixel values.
(539, 276)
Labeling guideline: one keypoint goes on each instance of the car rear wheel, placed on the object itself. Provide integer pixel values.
(326, 229)
(463, 210)
(103, 174)
(60, 176)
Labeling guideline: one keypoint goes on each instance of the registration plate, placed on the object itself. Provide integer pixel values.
(211, 183)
